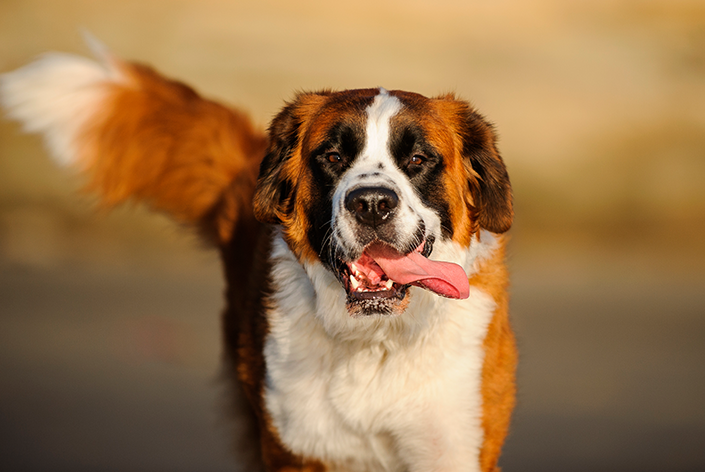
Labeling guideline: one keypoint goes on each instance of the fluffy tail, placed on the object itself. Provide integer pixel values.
(138, 135)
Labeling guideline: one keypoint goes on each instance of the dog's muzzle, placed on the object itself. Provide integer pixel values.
(388, 254)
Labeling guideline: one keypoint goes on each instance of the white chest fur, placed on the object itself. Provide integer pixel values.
(378, 393)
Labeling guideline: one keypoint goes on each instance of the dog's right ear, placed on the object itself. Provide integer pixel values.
(274, 187)
(279, 170)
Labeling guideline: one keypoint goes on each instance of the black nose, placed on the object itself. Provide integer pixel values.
(372, 206)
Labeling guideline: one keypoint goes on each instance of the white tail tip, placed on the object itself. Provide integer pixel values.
(57, 95)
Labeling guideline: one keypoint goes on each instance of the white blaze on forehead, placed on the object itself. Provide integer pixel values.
(376, 151)
(379, 115)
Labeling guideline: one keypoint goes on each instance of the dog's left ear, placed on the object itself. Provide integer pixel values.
(488, 179)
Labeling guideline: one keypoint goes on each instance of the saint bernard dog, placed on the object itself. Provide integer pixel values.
(366, 326)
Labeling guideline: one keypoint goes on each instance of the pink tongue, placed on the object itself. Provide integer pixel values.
(443, 278)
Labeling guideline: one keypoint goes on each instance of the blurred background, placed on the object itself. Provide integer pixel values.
(109, 322)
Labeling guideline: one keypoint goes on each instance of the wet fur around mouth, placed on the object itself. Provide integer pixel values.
(365, 301)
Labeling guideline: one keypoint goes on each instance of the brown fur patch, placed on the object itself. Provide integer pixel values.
(489, 198)
(498, 371)
(460, 199)
(158, 141)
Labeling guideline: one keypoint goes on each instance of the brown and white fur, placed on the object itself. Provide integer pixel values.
(402, 380)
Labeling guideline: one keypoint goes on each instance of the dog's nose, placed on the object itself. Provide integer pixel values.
(372, 206)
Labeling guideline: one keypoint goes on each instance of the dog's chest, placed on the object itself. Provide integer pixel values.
(331, 402)
(362, 405)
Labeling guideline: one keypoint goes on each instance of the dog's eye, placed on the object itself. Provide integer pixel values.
(417, 159)
(334, 158)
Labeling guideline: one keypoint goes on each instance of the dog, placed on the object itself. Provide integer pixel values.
(362, 237)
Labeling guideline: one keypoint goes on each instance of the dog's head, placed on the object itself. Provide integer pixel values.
(366, 182)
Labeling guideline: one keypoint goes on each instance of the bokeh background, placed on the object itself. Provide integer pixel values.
(109, 322)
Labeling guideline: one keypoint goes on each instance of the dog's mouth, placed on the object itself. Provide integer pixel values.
(382, 275)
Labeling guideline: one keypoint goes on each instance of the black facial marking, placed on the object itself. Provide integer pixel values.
(407, 139)
(345, 140)
(336, 153)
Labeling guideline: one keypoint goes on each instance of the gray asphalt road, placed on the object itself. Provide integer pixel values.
(119, 371)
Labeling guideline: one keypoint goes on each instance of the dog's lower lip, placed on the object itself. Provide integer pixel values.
(381, 294)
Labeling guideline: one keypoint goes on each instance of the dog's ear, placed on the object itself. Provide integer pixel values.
(488, 178)
(274, 188)
(278, 175)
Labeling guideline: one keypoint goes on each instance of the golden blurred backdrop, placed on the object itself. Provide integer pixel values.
(109, 341)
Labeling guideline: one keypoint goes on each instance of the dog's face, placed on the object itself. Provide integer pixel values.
(368, 181)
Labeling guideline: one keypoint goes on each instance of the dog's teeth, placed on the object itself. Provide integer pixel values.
(388, 284)
(354, 282)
